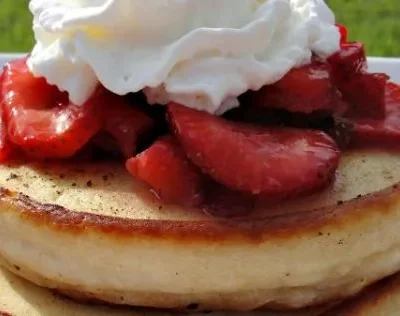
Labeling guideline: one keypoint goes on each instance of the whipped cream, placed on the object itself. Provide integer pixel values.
(200, 53)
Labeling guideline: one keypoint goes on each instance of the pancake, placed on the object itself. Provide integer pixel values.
(91, 232)
(382, 298)
(21, 298)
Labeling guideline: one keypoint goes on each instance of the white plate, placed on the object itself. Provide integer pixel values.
(390, 66)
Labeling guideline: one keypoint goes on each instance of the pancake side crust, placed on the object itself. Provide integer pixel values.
(381, 298)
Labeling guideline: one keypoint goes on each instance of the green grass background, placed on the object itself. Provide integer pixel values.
(375, 22)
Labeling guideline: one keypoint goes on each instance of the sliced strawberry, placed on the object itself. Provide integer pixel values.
(125, 124)
(363, 91)
(343, 33)
(44, 123)
(386, 132)
(5, 147)
(39, 117)
(350, 59)
(305, 89)
(172, 177)
(274, 162)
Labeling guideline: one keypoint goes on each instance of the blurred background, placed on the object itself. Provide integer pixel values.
(374, 22)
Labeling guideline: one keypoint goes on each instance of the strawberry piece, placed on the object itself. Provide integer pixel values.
(125, 124)
(165, 168)
(386, 132)
(274, 162)
(343, 33)
(348, 60)
(5, 147)
(363, 91)
(40, 119)
(305, 89)
(44, 123)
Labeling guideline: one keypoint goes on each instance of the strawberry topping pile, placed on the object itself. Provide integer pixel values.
(40, 121)
(282, 142)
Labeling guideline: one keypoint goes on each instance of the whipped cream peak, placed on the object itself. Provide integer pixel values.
(202, 54)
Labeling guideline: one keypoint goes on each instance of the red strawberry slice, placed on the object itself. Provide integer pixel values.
(40, 119)
(44, 123)
(125, 124)
(274, 162)
(343, 33)
(363, 91)
(386, 132)
(306, 89)
(172, 177)
(349, 59)
(5, 147)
